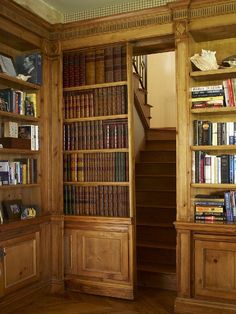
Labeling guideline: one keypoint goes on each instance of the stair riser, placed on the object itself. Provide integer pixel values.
(160, 134)
(156, 235)
(161, 145)
(156, 168)
(152, 256)
(157, 280)
(155, 214)
(156, 183)
(156, 198)
(156, 156)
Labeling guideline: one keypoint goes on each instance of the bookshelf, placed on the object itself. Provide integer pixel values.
(24, 245)
(20, 164)
(97, 169)
(203, 224)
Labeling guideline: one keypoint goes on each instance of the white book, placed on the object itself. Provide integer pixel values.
(214, 133)
(7, 66)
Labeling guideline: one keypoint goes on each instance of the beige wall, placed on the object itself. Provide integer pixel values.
(162, 89)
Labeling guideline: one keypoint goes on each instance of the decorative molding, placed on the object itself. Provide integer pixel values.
(51, 48)
(120, 23)
(212, 9)
(15, 13)
(42, 9)
(181, 29)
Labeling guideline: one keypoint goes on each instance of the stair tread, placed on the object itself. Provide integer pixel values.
(153, 224)
(156, 206)
(157, 268)
(154, 190)
(155, 175)
(156, 245)
(155, 162)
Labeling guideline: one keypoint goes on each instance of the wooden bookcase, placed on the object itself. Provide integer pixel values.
(206, 249)
(98, 170)
(24, 246)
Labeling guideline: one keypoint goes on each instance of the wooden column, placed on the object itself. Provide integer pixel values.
(53, 146)
(183, 164)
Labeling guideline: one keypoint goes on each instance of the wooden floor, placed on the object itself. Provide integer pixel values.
(148, 301)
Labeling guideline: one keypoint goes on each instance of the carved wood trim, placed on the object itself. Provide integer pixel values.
(209, 8)
(24, 18)
(117, 23)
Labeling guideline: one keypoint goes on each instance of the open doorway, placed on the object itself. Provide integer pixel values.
(155, 177)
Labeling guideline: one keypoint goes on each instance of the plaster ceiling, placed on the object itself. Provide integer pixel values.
(65, 6)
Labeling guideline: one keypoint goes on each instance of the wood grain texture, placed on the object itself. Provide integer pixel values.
(148, 301)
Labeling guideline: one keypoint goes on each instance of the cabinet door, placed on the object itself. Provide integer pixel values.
(96, 261)
(215, 267)
(20, 265)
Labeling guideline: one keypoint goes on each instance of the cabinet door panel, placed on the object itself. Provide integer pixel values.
(215, 268)
(21, 262)
(103, 254)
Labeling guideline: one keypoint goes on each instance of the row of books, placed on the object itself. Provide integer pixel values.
(215, 208)
(214, 95)
(18, 171)
(96, 167)
(99, 134)
(110, 201)
(98, 102)
(213, 169)
(214, 133)
(95, 66)
(19, 102)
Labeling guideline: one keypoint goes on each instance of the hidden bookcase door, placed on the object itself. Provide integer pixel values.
(98, 170)
(209, 224)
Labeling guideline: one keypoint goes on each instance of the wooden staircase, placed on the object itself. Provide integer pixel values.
(156, 210)
(143, 109)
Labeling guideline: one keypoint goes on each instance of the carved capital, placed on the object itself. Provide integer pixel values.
(181, 30)
(51, 48)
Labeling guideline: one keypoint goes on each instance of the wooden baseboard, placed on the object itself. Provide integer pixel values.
(192, 306)
(57, 286)
(99, 288)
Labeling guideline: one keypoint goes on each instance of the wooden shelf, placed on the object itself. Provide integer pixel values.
(219, 74)
(214, 185)
(16, 116)
(97, 219)
(14, 82)
(18, 151)
(216, 110)
(94, 86)
(103, 150)
(97, 183)
(121, 116)
(17, 186)
(215, 148)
